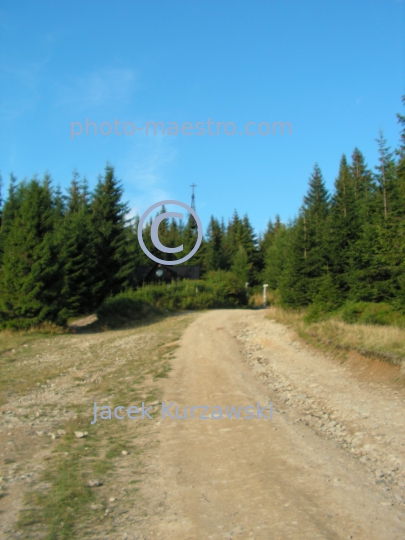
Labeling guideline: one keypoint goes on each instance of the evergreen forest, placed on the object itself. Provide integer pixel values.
(64, 254)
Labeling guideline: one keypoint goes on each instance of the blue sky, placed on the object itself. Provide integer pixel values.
(334, 70)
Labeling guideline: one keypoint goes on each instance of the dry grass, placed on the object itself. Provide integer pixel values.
(12, 339)
(383, 342)
(117, 368)
(23, 362)
(256, 299)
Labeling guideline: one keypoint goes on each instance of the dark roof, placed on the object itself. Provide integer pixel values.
(142, 271)
(147, 273)
(188, 272)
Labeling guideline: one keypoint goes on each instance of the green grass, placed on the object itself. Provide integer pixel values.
(60, 507)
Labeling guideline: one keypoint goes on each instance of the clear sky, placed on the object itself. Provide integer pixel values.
(335, 70)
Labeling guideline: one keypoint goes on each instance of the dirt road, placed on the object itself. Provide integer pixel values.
(279, 478)
(330, 464)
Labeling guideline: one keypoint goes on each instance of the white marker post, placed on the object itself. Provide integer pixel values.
(264, 295)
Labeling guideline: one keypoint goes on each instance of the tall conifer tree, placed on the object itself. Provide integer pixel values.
(108, 217)
(31, 276)
(342, 231)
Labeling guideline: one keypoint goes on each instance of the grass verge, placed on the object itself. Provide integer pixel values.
(60, 505)
(385, 343)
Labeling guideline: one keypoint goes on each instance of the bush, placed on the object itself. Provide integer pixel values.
(228, 288)
(32, 323)
(315, 313)
(219, 290)
(116, 311)
(371, 313)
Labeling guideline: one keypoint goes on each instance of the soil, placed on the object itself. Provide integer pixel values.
(330, 464)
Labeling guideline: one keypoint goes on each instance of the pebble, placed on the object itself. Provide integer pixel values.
(81, 434)
(124, 453)
(61, 432)
(94, 483)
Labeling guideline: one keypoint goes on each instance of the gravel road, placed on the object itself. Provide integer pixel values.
(329, 465)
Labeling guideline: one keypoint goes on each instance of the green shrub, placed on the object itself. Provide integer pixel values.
(316, 312)
(229, 289)
(117, 310)
(219, 290)
(371, 313)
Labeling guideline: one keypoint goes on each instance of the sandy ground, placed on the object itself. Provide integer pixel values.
(285, 478)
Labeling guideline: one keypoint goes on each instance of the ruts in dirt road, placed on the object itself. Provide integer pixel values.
(319, 469)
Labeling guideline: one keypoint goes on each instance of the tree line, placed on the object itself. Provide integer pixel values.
(62, 255)
(348, 245)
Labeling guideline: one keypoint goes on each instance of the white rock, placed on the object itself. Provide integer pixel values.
(94, 483)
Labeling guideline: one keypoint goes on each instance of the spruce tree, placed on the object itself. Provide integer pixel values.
(78, 254)
(293, 283)
(240, 233)
(232, 239)
(368, 277)
(265, 241)
(306, 252)
(215, 258)
(342, 229)
(275, 256)
(315, 212)
(9, 210)
(388, 215)
(1, 200)
(400, 245)
(31, 275)
(240, 266)
(108, 218)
